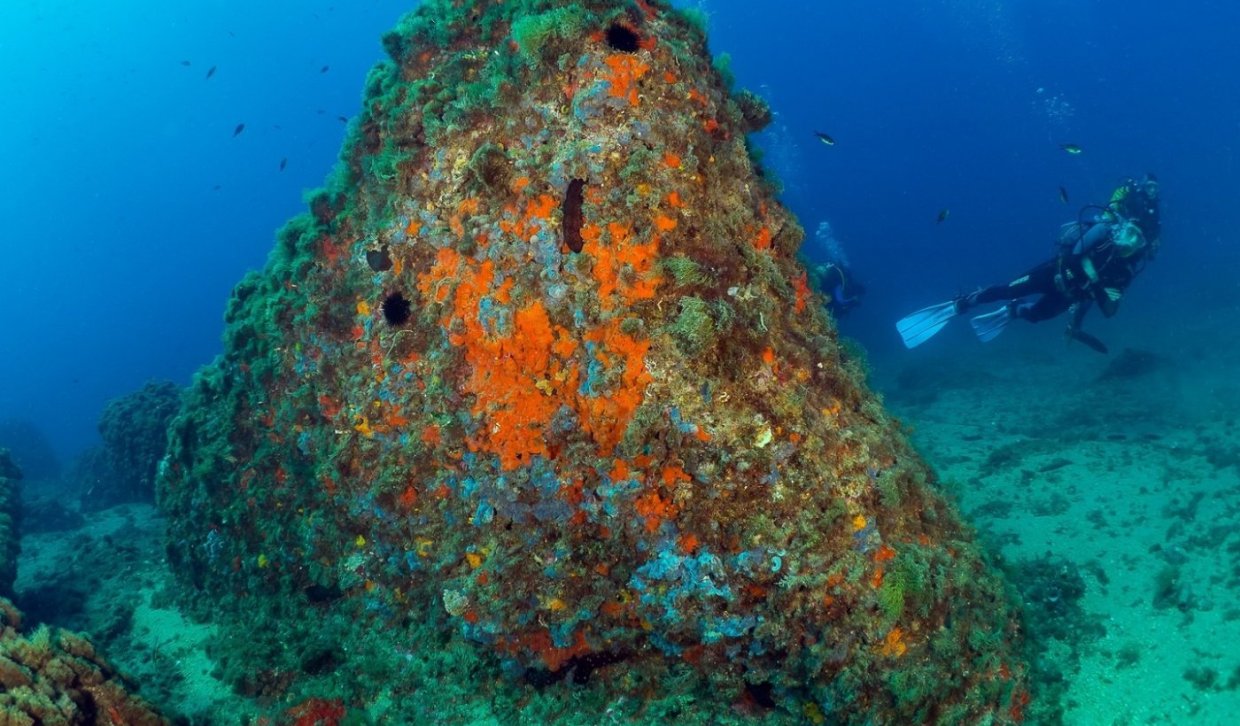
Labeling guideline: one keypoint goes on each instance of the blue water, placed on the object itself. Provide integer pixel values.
(130, 207)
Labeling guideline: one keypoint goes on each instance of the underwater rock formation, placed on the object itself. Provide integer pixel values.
(539, 372)
(10, 514)
(135, 434)
(56, 677)
(29, 449)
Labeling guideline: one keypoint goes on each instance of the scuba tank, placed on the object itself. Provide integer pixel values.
(1076, 237)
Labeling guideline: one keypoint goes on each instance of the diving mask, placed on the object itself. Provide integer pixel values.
(1127, 238)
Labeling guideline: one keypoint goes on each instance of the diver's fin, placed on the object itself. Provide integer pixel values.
(988, 326)
(921, 326)
(1087, 339)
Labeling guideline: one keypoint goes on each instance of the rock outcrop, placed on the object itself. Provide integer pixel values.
(10, 521)
(56, 677)
(539, 373)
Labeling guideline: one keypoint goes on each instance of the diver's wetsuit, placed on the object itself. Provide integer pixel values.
(1097, 259)
(1092, 271)
(843, 292)
(1038, 281)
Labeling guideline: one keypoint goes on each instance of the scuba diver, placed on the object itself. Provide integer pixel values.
(840, 289)
(834, 277)
(1097, 258)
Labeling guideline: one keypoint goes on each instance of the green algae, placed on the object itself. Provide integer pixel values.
(694, 328)
(697, 19)
(723, 66)
(684, 271)
(543, 36)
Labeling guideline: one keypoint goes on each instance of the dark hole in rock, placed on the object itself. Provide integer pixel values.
(622, 38)
(580, 666)
(320, 594)
(761, 693)
(379, 260)
(396, 309)
(572, 217)
(541, 678)
(588, 663)
(321, 663)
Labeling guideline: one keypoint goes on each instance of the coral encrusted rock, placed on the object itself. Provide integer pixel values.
(56, 677)
(29, 449)
(539, 378)
(10, 520)
(134, 429)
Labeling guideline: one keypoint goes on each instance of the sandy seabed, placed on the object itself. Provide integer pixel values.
(1120, 470)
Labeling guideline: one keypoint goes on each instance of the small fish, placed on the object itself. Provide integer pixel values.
(237, 131)
(211, 72)
(1071, 148)
(283, 163)
(944, 213)
(185, 63)
(324, 69)
(1063, 195)
(215, 188)
(343, 119)
(825, 138)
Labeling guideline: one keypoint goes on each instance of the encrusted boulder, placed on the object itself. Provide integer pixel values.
(29, 449)
(134, 428)
(10, 520)
(539, 373)
(56, 677)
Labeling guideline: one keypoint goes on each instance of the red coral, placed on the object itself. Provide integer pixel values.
(316, 712)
